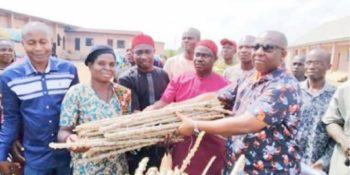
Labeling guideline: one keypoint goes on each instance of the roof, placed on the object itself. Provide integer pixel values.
(336, 30)
(22, 15)
(105, 31)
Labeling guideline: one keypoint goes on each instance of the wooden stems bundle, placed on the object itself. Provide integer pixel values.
(119, 134)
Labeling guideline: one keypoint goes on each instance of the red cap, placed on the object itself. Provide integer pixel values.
(210, 44)
(142, 39)
(227, 41)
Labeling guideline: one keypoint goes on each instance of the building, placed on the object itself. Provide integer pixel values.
(333, 36)
(69, 41)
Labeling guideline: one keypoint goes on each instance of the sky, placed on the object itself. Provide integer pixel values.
(165, 20)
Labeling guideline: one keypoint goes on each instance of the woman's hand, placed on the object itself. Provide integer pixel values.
(74, 138)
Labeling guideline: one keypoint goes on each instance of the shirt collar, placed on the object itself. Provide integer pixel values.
(326, 88)
(29, 68)
(269, 76)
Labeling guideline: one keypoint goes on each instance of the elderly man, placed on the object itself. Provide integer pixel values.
(32, 96)
(298, 67)
(246, 66)
(228, 51)
(183, 62)
(266, 112)
(337, 119)
(147, 83)
(189, 85)
(315, 145)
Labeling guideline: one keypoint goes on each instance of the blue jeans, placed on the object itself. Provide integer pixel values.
(62, 170)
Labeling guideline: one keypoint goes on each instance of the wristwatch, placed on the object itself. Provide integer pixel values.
(196, 130)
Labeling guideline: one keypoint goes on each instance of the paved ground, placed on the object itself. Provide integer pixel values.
(83, 71)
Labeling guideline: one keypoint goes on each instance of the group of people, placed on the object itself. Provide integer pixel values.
(280, 125)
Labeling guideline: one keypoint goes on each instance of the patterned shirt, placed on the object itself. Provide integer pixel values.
(274, 99)
(314, 142)
(81, 105)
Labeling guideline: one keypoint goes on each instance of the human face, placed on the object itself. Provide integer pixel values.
(298, 67)
(228, 51)
(316, 66)
(7, 53)
(129, 57)
(203, 60)
(143, 55)
(103, 68)
(245, 51)
(37, 45)
(189, 41)
(267, 55)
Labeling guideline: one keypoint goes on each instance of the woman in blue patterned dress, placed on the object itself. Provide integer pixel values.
(89, 102)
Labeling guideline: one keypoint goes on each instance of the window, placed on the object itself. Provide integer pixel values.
(120, 44)
(110, 42)
(64, 43)
(88, 41)
(77, 43)
(58, 40)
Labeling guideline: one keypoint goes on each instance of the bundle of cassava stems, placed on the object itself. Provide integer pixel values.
(119, 134)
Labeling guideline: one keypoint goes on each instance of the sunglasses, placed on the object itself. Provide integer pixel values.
(141, 52)
(203, 55)
(267, 48)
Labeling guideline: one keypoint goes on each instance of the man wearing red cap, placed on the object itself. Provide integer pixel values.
(183, 62)
(147, 83)
(266, 114)
(189, 85)
(228, 52)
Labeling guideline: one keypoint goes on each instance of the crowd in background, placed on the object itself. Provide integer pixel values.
(283, 122)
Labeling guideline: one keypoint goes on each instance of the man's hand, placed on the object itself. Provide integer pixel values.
(226, 100)
(345, 145)
(74, 138)
(17, 152)
(9, 168)
(317, 165)
(186, 126)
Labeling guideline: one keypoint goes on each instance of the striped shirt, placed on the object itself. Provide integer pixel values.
(32, 101)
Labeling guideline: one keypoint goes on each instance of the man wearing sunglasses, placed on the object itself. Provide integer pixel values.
(266, 112)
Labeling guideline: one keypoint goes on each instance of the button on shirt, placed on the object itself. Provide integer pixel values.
(274, 99)
(314, 142)
(32, 100)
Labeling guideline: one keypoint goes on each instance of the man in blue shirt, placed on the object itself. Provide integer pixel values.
(32, 96)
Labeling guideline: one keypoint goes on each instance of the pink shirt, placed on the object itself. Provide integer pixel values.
(189, 85)
(177, 65)
(184, 87)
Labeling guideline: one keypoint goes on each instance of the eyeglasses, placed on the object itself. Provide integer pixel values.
(267, 48)
(204, 55)
(141, 52)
